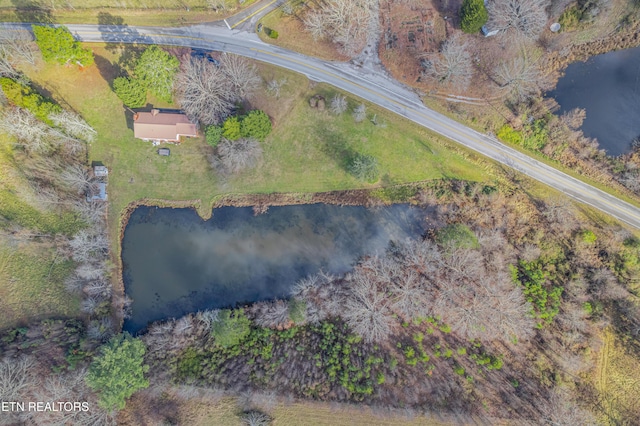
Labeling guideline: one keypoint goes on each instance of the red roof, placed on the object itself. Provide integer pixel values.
(164, 126)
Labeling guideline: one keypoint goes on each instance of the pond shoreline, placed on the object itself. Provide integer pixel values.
(260, 203)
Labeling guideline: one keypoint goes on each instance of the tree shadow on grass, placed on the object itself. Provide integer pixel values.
(120, 38)
(32, 11)
(335, 146)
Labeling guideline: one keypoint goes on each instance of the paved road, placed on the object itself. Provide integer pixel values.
(367, 84)
(248, 18)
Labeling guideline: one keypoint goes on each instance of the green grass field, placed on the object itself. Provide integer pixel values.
(31, 283)
(305, 153)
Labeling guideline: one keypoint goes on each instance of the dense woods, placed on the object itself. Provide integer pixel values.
(491, 314)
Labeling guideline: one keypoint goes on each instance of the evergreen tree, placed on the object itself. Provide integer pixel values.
(156, 70)
(57, 45)
(132, 93)
(473, 15)
(256, 125)
(118, 372)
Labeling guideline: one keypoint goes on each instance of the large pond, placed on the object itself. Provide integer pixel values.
(608, 88)
(175, 262)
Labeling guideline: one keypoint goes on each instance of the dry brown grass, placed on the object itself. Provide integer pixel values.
(401, 23)
(226, 411)
(617, 379)
(293, 36)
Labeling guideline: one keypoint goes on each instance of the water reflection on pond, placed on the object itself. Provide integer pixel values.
(175, 263)
(608, 88)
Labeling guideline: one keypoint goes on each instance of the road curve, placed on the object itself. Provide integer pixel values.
(366, 84)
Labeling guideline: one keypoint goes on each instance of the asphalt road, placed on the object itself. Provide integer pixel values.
(370, 85)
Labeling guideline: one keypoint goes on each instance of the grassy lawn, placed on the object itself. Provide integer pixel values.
(31, 283)
(132, 12)
(305, 153)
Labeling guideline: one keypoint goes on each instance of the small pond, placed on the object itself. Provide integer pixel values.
(608, 87)
(175, 262)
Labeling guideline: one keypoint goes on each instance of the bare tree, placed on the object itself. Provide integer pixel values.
(90, 271)
(89, 305)
(409, 297)
(204, 92)
(272, 314)
(526, 17)
(360, 113)
(30, 132)
(98, 289)
(76, 177)
(73, 125)
(241, 73)
(338, 104)
(345, 22)
(521, 78)
(367, 308)
(274, 86)
(87, 245)
(255, 418)
(560, 410)
(233, 157)
(314, 24)
(452, 67)
(92, 212)
(15, 378)
(73, 284)
(17, 44)
(101, 329)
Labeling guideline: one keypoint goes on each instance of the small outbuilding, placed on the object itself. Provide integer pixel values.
(164, 151)
(100, 171)
(99, 193)
(162, 126)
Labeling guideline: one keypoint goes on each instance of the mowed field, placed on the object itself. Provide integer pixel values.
(305, 152)
(131, 12)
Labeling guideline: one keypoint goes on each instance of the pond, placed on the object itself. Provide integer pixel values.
(175, 262)
(608, 87)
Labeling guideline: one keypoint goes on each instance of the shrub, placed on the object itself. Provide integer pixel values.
(508, 134)
(457, 235)
(231, 327)
(588, 236)
(473, 15)
(131, 92)
(364, 167)
(231, 129)
(213, 134)
(118, 372)
(298, 311)
(544, 298)
(272, 33)
(58, 45)
(256, 124)
(25, 97)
